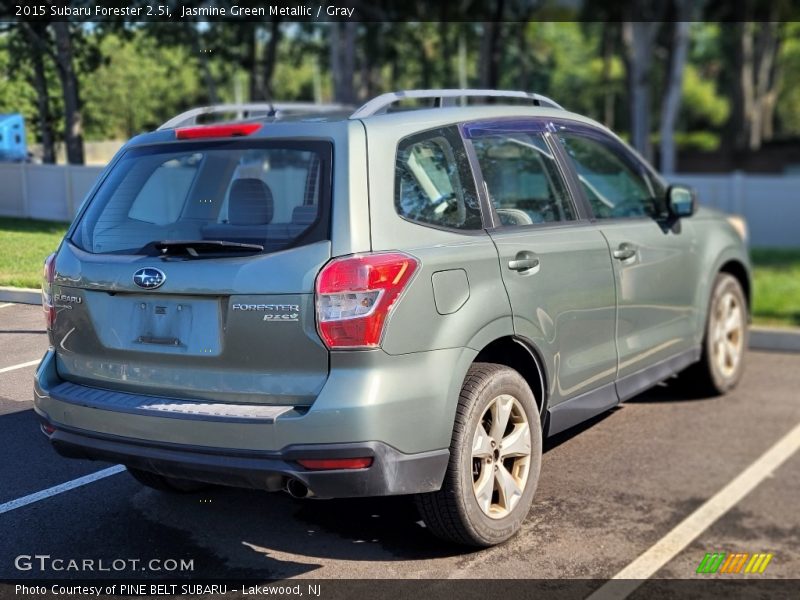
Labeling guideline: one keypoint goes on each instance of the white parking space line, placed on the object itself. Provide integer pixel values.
(658, 555)
(60, 489)
(30, 363)
(6, 304)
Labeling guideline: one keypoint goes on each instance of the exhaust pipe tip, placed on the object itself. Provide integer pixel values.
(298, 489)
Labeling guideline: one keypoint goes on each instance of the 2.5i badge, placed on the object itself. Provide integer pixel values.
(274, 312)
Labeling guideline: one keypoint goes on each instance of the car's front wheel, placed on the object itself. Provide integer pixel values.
(726, 336)
(495, 456)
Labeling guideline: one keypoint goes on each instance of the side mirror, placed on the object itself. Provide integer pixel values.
(681, 201)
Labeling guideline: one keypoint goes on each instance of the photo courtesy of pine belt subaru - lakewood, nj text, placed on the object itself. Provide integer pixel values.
(391, 300)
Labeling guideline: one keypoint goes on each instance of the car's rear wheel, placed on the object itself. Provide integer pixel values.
(166, 484)
(495, 456)
(725, 343)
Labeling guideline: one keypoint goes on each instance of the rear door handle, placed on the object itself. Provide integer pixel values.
(625, 251)
(524, 261)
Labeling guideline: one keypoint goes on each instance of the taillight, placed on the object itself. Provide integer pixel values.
(322, 464)
(216, 131)
(355, 295)
(48, 276)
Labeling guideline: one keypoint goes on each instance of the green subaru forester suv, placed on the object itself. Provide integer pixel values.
(379, 302)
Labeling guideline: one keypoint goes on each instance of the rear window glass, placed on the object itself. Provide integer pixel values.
(273, 194)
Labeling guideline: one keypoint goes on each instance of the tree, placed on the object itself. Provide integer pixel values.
(765, 88)
(190, 38)
(788, 101)
(140, 84)
(756, 47)
(491, 53)
(26, 45)
(610, 32)
(638, 38)
(674, 85)
(271, 56)
(258, 57)
(202, 52)
(73, 131)
(752, 46)
(342, 60)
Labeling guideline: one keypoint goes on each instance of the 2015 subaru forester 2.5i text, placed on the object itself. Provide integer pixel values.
(379, 302)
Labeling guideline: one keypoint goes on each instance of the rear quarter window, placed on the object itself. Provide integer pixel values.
(433, 181)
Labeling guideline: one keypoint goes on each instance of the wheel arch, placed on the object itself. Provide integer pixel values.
(522, 356)
(732, 262)
(738, 270)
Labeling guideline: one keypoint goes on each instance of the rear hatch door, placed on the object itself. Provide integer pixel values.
(191, 274)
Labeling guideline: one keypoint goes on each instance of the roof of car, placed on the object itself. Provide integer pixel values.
(288, 119)
(383, 104)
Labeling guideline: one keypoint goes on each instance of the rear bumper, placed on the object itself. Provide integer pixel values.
(399, 410)
(390, 473)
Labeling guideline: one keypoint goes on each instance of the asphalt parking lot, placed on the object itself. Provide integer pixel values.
(609, 491)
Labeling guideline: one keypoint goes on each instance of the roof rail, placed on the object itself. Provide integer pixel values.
(249, 110)
(444, 98)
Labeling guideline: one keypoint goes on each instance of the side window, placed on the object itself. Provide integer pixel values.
(614, 184)
(522, 179)
(433, 181)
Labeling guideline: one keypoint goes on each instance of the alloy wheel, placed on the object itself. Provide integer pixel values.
(501, 456)
(727, 332)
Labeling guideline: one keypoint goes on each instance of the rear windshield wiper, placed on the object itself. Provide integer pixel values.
(197, 247)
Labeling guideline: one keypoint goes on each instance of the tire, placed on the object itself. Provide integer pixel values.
(476, 467)
(725, 341)
(166, 484)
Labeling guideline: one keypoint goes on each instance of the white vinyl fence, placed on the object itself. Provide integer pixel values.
(51, 192)
(769, 203)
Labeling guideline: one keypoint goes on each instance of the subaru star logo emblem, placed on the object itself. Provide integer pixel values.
(149, 278)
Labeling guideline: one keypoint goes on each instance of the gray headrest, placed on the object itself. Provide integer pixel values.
(250, 203)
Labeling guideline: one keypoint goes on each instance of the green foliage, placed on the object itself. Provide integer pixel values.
(707, 141)
(139, 85)
(788, 107)
(295, 73)
(566, 64)
(702, 106)
(17, 95)
(135, 76)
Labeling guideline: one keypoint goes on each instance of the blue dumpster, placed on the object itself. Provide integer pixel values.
(12, 138)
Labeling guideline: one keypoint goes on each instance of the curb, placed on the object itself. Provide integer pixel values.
(20, 295)
(761, 338)
(775, 338)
